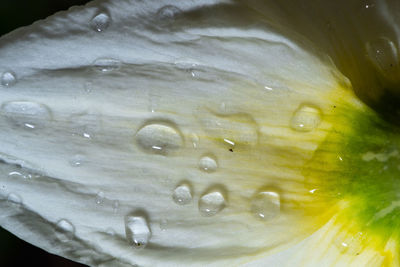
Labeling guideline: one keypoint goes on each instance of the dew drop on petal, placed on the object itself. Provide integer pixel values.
(65, 230)
(211, 203)
(14, 199)
(106, 65)
(115, 206)
(8, 79)
(99, 198)
(306, 118)
(266, 205)
(30, 115)
(159, 138)
(77, 160)
(383, 54)
(100, 22)
(137, 231)
(208, 164)
(168, 12)
(182, 194)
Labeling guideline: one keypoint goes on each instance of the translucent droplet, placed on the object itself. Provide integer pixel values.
(106, 65)
(306, 118)
(350, 244)
(266, 205)
(137, 231)
(208, 164)
(8, 79)
(211, 203)
(384, 55)
(100, 22)
(115, 206)
(168, 12)
(182, 194)
(30, 115)
(85, 124)
(65, 230)
(163, 224)
(195, 140)
(99, 198)
(14, 199)
(77, 160)
(159, 138)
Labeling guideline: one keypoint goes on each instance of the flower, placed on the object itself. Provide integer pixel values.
(208, 132)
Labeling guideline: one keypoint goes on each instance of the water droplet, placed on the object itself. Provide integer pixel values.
(100, 22)
(211, 203)
(14, 199)
(350, 244)
(99, 198)
(208, 164)
(77, 160)
(163, 224)
(229, 129)
(8, 79)
(384, 55)
(137, 231)
(65, 230)
(266, 205)
(106, 65)
(159, 138)
(168, 12)
(26, 114)
(110, 231)
(85, 124)
(182, 194)
(306, 118)
(195, 140)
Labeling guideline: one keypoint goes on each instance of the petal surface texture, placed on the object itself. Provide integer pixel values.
(186, 133)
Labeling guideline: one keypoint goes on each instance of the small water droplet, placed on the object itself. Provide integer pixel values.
(182, 194)
(211, 203)
(8, 79)
(29, 115)
(350, 244)
(106, 65)
(208, 164)
(14, 199)
(266, 205)
(99, 198)
(383, 54)
(110, 231)
(100, 22)
(306, 118)
(159, 138)
(137, 231)
(195, 140)
(65, 230)
(163, 224)
(77, 160)
(168, 12)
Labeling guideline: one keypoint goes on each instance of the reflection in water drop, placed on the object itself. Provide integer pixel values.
(30, 115)
(137, 231)
(8, 79)
(306, 118)
(208, 164)
(159, 138)
(182, 194)
(266, 205)
(211, 203)
(65, 230)
(100, 22)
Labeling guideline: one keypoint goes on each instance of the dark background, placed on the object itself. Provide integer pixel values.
(14, 14)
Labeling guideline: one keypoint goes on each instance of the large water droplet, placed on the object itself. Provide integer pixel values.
(168, 12)
(8, 79)
(14, 199)
(384, 55)
(182, 194)
(106, 65)
(208, 164)
(159, 138)
(211, 203)
(266, 205)
(306, 118)
(100, 22)
(137, 231)
(65, 230)
(229, 129)
(26, 114)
